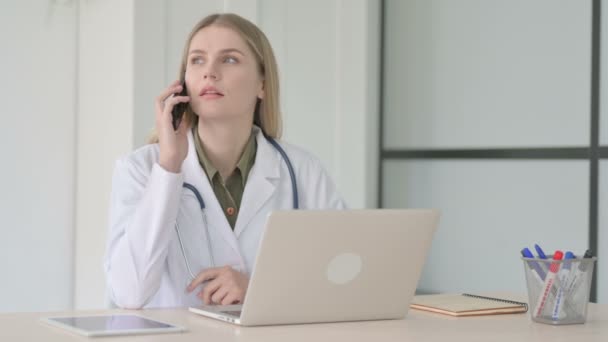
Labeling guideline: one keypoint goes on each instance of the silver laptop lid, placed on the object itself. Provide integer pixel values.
(346, 265)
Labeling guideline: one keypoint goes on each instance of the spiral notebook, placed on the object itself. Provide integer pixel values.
(466, 305)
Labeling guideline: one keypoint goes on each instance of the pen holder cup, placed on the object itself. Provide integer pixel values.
(558, 291)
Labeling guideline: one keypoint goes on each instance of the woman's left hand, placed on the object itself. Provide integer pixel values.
(225, 286)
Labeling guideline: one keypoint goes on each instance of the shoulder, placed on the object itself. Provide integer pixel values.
(298, 157)
(316, 188)
(297, 152)
(301, 158)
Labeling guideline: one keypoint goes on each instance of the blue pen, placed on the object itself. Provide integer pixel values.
(527, 254)
(541, 255)
(540, 252)
(567, 264)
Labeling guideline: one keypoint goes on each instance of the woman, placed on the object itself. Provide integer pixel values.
(164, 249)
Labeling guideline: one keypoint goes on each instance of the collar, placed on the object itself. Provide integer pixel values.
(244, 164)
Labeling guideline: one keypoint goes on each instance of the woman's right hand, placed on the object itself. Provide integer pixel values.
(173, 144)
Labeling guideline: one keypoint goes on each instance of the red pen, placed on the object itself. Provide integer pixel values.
(549, 280)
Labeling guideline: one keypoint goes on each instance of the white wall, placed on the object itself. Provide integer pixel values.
(602, 279)
(149, 60)
(38, 94)
(475, 73)
(329, 85)
(490, 210)
(105, 131)
(492, 74)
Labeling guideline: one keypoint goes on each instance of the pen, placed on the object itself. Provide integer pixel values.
(549, 280)
(541, 255)
(540, 252)
(539, 270)
(588, 254)
(559, 298)
(578, 273)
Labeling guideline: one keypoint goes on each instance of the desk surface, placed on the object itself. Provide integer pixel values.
(418, 326)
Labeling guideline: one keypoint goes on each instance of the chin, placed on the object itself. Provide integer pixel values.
(208, 114)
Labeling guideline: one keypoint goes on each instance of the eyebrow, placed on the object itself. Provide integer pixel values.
(203, 52)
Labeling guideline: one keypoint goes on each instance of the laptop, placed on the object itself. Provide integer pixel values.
(318, 266)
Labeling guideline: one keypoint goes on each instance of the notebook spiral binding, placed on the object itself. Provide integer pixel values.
(525, 305)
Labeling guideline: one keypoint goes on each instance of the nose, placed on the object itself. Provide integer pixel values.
(211, 72)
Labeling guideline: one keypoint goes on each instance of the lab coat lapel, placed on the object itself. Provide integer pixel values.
(260, 183)
(195, 175)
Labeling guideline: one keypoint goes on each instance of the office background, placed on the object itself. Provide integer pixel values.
(80, 77)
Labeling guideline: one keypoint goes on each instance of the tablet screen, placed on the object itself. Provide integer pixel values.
(113, 324)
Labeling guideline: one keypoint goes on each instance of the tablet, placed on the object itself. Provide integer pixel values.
(112, 325)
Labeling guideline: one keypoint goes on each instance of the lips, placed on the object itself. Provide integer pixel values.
(211, 92)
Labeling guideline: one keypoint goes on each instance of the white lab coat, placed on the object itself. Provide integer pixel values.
(144, 264)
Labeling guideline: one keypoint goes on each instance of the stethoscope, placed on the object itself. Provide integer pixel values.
(201, 202)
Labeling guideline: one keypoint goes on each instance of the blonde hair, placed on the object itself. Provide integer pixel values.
(267, 111)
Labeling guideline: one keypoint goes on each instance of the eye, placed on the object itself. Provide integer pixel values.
(197, 60)
(230, 60)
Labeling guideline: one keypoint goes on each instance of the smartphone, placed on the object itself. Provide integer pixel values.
(178, 110)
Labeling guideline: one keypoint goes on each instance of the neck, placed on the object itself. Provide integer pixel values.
(224, 143)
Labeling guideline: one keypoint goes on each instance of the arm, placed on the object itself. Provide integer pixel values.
(143, 211)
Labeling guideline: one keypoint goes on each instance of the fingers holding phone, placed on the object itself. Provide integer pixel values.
(174, 101)
(172, 130)
(177, 113)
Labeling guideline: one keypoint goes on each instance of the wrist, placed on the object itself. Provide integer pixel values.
(170, 166)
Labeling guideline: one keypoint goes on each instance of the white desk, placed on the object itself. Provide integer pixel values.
(419, 326)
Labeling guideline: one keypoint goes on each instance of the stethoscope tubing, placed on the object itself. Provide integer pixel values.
(201, 202)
